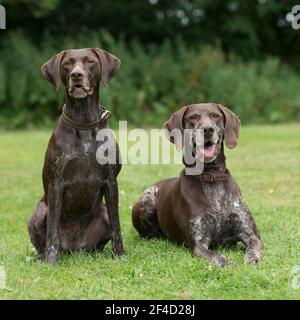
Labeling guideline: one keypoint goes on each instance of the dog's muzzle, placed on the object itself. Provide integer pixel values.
(210, 147)
(79, 84)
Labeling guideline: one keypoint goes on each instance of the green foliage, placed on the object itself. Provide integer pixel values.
(38, 8)
(153, 82)
(249, 29)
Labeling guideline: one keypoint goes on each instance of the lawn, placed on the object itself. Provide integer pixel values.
(266, 165)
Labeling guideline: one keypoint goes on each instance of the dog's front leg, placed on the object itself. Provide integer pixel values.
(249, 236)
(253, 249)
(53, 219)
(199, 235)
(247, 231)
(112, 203)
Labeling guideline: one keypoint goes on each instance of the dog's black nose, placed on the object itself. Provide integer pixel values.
(76, 75)
(208, 129)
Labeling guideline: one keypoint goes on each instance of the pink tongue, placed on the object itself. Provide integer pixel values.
(91, 91)
(209, 152)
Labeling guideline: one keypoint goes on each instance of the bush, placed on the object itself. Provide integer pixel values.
(153, 82)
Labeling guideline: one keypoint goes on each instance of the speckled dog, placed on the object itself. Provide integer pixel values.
(205, 210)
(71, 216)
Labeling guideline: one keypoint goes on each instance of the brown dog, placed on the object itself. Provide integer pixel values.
(205, 210)
(71, 215)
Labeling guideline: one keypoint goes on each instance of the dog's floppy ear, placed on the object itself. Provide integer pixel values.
(176, 122)
(232, 127)
(110, 64)
(51, 70)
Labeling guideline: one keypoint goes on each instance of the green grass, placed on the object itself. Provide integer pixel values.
(266, 165)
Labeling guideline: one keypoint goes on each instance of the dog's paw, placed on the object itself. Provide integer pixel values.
(252, 256)
(220, 261)
(51, 257)
(118, 255)
(118, 251)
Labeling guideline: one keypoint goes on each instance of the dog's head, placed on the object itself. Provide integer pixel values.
(217, 122)
(81, 70)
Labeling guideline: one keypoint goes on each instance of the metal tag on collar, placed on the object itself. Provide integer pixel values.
(105, 114)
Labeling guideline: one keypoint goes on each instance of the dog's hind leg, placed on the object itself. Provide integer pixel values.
(144, 216)
(37, 228)
(98, 231)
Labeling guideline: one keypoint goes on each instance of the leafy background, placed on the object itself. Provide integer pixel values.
(241, 53)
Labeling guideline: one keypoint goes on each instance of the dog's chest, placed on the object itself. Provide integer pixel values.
(85, 144)
(215, 194)
(225, 207)
(79, 160)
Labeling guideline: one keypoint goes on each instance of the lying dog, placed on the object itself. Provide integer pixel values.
(71, 215)
(205, 210)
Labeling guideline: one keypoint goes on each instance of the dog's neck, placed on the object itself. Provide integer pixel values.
(85, 110)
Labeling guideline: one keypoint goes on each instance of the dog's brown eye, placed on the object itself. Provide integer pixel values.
(194, 117)
(215, 115)
(90, 61)
(67, 64)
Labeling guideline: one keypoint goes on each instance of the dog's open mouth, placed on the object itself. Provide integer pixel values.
(210, 150)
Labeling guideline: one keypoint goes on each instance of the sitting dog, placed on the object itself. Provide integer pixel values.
(71, 215)
(205, 210)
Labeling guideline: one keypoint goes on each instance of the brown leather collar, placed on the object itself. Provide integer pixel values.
(104, 116)
(213, 176)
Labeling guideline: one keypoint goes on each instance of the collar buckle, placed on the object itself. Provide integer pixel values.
(211, 177)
